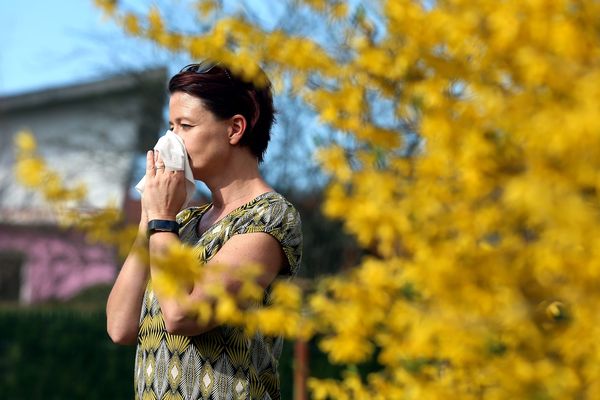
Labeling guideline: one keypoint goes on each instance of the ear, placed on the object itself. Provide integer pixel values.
(236, 129)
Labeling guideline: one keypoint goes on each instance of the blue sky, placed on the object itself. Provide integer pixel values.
(52, 43)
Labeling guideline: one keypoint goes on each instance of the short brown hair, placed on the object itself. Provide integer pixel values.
(225, 94)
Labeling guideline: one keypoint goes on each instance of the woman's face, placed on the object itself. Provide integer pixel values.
(205, 137)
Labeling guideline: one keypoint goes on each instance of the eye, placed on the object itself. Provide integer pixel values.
(186, 126)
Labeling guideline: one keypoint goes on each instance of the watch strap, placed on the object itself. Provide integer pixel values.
(162, 225)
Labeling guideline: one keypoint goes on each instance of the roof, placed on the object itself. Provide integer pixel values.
(120, 83)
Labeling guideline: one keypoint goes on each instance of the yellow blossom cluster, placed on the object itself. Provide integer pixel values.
(32, 171)
(484, 240)
(230, 296)
(69, 201)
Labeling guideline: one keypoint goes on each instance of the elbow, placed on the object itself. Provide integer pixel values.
(176, 324)
(175, 318)
(122, 335)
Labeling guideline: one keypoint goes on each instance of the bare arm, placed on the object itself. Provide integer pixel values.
(237, 253)
(125, 299)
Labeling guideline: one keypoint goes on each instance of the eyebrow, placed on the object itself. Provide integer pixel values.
(179, 119)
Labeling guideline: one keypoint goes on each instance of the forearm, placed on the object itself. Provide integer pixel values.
(125, 299)
(178, 318)
(236, 255)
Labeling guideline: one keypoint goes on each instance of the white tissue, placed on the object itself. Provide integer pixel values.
(172, 152)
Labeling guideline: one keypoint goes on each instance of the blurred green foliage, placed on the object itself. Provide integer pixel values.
(63, 352)
(327, 249)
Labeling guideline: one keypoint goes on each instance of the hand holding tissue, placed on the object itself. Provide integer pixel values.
(173, 154)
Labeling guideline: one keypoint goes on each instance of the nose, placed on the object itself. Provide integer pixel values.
(174, 130)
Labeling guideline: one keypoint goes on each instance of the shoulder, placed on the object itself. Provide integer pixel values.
(268, 212)
(273, 214)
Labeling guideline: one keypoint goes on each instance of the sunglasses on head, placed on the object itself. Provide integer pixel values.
(206, 68)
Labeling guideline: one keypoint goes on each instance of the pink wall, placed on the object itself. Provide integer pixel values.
(58, 264)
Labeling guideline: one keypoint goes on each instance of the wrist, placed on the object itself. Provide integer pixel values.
(164, 217)
(143, 226)
(162, 225)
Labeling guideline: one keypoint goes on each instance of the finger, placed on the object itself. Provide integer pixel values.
(158, 162)
(150, 171)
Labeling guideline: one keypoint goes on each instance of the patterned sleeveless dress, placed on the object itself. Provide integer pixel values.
(223, 363)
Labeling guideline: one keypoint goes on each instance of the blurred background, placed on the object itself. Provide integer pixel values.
(95, 100)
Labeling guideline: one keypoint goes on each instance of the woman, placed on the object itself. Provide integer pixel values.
(225, 124)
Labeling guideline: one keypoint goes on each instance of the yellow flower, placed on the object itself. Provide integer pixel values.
(287, 294)
(275, 321)
(334, 159)
(132, 24)
(108, 6)
(349, 348)
(31, 172)
(206, 7)
(25, 142)
(227, 310)
(180, 262)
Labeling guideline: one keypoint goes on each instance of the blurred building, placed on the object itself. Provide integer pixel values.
(91, 133)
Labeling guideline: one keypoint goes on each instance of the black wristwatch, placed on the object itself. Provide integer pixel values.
(162, 225)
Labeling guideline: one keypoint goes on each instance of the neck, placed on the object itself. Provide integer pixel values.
(238, 183)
